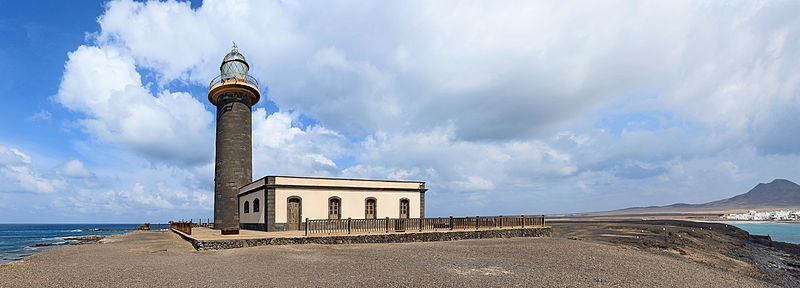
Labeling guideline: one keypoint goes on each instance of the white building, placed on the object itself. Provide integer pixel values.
(281, 203)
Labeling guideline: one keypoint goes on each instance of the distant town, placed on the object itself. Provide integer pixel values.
(753, 215)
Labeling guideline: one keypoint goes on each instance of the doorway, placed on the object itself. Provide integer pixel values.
(293, 213)
(370, 208)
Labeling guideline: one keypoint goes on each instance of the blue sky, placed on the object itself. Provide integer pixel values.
(513, 107)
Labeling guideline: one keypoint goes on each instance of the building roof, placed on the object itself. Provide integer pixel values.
(332, 183)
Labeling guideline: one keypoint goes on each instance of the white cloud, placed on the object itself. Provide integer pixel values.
(102, 84)
(75, 169)
(524, 105)
(42, 115)
(281, 148)
(19, 175)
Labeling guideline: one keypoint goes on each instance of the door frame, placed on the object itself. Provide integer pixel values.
(400, 208)
(339, 208)
(374, 209)
(299, 211)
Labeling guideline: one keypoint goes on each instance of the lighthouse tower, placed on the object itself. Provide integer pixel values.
(234, 93)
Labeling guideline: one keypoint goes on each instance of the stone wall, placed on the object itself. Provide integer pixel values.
(373, 238)
(234, 156)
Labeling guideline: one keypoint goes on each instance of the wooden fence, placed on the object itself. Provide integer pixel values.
(185, 227)
(389, 225)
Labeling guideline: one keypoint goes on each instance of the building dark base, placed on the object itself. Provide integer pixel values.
(253, 226)
(267, 228)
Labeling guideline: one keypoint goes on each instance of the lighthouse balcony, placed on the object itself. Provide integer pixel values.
(241, 83)
(238, 79)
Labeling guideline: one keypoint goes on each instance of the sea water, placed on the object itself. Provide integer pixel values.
(19, 240)
(784, 232)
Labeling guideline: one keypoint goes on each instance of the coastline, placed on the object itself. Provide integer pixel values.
(21, 241)
(719, 245)
(733, 222)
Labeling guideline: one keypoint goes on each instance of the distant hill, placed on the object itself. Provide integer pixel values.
(778, 194)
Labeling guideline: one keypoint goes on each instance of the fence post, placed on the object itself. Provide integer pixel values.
(523, 220)
(387, 224)
(348, 225)
(306, 226)
(501, 222)
(451, 222)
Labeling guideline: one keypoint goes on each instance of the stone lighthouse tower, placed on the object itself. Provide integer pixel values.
(234, 93)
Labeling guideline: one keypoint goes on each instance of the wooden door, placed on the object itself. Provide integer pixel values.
(369, 209)
(334, 209)
(293, 214)
(404, 209)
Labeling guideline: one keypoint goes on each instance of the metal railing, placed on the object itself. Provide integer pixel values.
(219, 80)
(395, 225)
(185, 227)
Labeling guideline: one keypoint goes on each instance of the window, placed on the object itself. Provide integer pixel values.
(334, 208)
(256, 205)
(370, 208)
(246, 207)
(404, 208)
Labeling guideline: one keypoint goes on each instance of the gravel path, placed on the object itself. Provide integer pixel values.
(146, 259)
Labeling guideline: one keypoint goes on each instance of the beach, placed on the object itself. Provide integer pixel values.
(145, 259)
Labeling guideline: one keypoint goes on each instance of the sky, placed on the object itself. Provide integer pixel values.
(501, 107)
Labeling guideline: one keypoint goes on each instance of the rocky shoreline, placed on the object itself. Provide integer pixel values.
(78, 240)
(717, 245)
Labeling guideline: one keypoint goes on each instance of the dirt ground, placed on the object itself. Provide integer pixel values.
(146, 259)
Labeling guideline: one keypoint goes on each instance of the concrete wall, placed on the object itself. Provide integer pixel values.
(315, 202)
(252, 217)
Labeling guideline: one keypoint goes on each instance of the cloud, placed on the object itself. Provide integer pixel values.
(499, 106)
(19, 175)
(75, 169)
(281, 148)
(103, 85)
(42, 115)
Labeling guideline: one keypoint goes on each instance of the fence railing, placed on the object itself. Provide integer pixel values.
(185, 227)
(219, 80)
(389, 225)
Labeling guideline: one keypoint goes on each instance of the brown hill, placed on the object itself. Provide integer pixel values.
(778, 194)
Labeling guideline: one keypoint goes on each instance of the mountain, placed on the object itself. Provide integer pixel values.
(778, 194)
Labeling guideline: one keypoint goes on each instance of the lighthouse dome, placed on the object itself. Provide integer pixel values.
(234, 65)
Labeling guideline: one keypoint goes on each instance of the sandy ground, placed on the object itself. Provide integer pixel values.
(146, 259)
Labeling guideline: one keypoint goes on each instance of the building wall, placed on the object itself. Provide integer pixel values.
(253, 217)
(351, 183)
(315, 202)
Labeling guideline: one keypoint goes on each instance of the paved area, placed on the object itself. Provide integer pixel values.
(146, 259)
(206, 234)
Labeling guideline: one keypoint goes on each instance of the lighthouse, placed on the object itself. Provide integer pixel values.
(234, 93)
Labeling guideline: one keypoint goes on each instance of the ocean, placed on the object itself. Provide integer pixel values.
(19, 240)
(784, 232)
